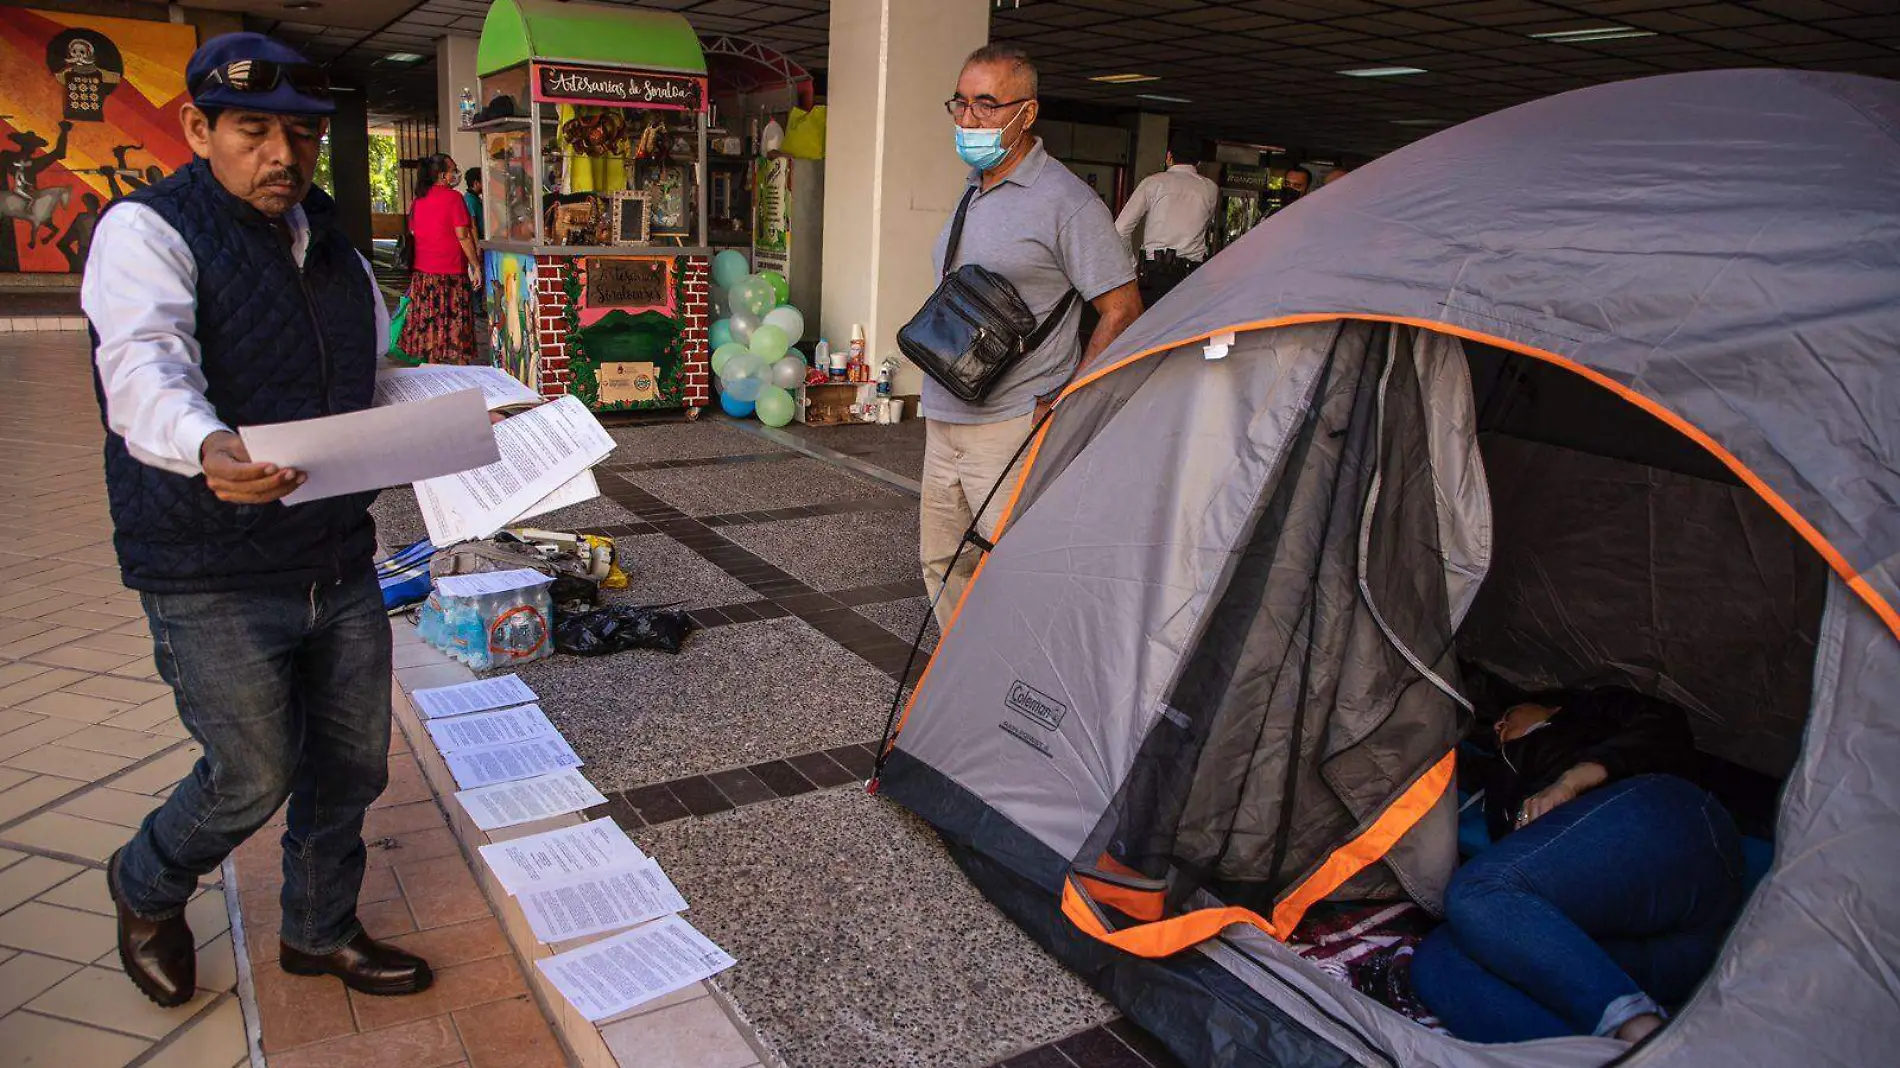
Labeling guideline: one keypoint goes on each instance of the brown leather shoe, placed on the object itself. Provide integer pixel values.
(363, 964)
(158, 955)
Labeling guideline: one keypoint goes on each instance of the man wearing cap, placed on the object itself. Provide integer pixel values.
(224, 296)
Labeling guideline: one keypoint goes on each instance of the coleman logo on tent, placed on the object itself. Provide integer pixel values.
(1035, 704)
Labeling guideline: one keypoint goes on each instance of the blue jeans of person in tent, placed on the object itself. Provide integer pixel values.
(1606, 908)
(287, 690)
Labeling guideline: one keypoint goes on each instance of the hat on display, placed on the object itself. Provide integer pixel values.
(252, 72)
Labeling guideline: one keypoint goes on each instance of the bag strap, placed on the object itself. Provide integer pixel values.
(956, 231)
(1034, 340)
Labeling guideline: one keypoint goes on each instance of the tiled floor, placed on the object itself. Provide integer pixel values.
(420, 895)
(89, 743)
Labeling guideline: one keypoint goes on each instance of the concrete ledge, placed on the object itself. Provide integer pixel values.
(698, 1027)
(23, 324)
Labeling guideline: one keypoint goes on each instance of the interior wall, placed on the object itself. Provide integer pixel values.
(1609, 571)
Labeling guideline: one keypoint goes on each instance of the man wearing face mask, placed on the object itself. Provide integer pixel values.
(1040, 227)
(221, 297)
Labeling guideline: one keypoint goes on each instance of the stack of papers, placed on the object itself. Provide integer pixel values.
(499, 389)
(584, 880)
(546, 453)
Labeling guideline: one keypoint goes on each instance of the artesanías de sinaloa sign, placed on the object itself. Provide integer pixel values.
(564, 83)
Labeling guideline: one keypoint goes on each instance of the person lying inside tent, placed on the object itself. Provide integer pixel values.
(1609, 888)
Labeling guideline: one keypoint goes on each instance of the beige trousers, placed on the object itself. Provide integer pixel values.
(961, 465)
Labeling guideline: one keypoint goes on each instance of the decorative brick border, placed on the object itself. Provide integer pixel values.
(553, 375)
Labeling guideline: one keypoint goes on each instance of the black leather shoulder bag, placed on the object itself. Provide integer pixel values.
(975, 327)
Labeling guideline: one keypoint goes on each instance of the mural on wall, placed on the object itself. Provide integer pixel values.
(508, 292)
(88, 113)
(625, 343)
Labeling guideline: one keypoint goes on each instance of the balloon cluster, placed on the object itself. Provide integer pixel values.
(752, 353)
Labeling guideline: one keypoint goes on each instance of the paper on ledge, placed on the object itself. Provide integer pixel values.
(448, 436)
(495, 807)
(650, 961)
(490, 728)
(491, 764)
(478, 696)
(561, 856)
(600, 904)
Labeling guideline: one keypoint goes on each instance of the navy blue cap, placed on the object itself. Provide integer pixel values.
(283, 98)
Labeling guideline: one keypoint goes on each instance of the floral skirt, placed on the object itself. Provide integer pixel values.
(440, 327)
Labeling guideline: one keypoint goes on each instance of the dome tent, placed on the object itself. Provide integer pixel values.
(1209, 675)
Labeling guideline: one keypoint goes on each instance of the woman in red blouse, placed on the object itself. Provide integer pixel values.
(440, 327)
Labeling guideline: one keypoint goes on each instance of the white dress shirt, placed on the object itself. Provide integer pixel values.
(140, 291)
(1178, 204)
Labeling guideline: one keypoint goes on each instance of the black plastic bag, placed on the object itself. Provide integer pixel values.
(620, 627)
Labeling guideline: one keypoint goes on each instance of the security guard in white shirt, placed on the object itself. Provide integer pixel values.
(1174, 209)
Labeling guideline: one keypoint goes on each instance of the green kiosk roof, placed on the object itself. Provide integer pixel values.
(519, 30)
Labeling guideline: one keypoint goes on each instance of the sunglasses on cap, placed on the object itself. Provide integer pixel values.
(263, 75)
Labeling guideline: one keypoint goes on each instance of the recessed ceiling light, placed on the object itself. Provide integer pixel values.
(1163, 99)
(404, 57)
(302, 5)
(1598, 33)
(1380, 72)
(1125, 79)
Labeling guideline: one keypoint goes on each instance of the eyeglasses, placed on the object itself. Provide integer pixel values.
(982, 109)
(263, 75)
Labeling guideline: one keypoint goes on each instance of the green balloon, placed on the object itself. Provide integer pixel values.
(723, 353)
(775, 406)
(781, 289)
(770, 342)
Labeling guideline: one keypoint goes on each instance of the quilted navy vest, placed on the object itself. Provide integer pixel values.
(277, 344)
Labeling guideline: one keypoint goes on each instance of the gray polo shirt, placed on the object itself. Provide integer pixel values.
(1046, 231)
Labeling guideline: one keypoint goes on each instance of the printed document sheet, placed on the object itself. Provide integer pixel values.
(402, 385)
(482, 729)
(542, 450)
(380, 447)
(498, 692)
(600, 904)
(527, 800)
(563, 855)
(491, 764)
(650, 961)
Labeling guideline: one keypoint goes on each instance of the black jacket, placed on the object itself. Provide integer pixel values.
(276, 343)
(1629, 733)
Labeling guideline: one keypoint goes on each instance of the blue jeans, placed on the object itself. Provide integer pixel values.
(287, 689)
(1604, 909)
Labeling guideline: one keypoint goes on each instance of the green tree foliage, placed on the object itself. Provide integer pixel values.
(385, 167)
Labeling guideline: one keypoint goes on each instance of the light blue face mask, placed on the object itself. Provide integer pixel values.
(981, 148)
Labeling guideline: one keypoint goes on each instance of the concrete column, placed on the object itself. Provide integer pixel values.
(892, 177)
(349, 166)
(1149, 153)
(455, 71)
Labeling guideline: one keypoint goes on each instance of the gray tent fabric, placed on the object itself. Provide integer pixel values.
(1724, 243)
(1213, 654)
(1616, 573)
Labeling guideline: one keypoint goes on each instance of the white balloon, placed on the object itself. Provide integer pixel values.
(742, 327)
(788, 372)
(788, 319)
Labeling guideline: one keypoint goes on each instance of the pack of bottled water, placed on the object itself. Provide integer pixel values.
(496, 619)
